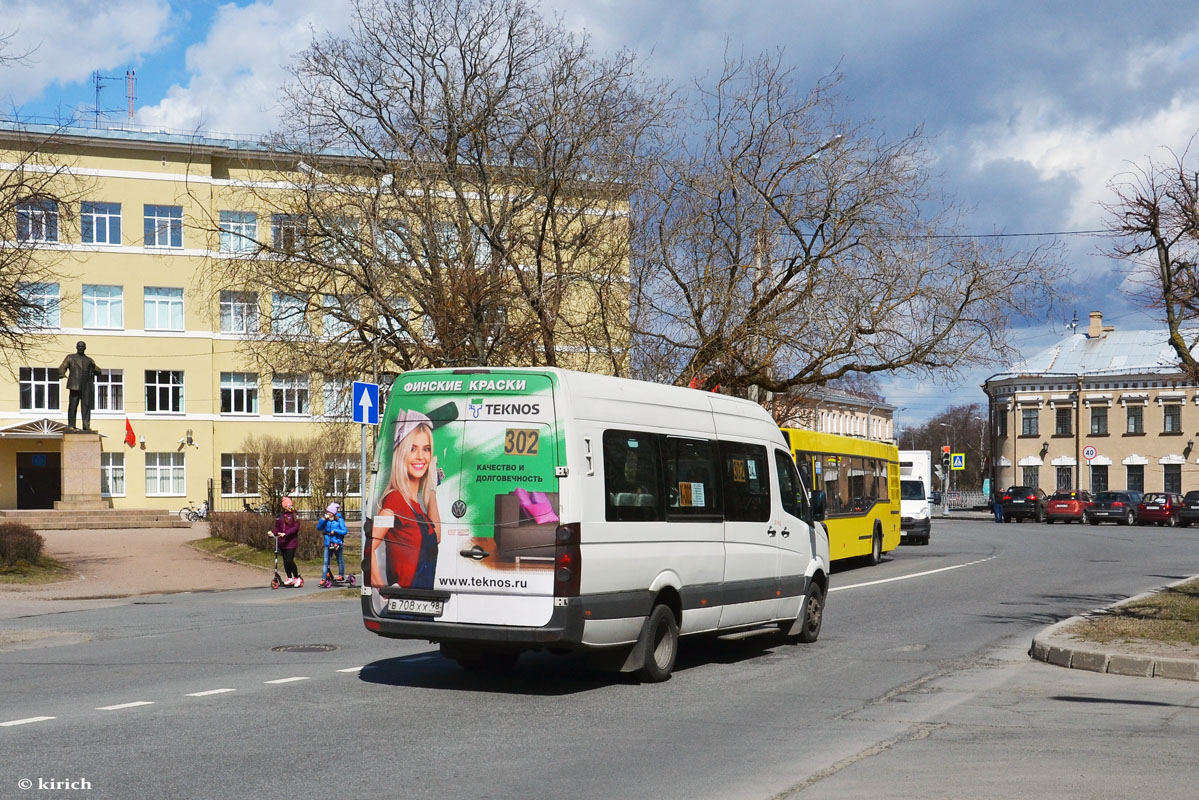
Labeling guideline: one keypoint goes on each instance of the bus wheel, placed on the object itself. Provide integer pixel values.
(876, 548)
(661, 645)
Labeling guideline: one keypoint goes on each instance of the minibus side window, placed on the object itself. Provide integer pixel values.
(745, 472)
(789, 492)
(632, 477)
(692, 484)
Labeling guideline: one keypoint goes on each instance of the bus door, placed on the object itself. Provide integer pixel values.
(751, 539)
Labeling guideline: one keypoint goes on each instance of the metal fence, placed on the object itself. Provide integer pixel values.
(306, 506)
(964, 500)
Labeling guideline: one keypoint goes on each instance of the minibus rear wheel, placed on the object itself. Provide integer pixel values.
(661, 645)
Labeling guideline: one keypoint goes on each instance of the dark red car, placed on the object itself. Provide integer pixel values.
(1161, 508)
(1068, 507)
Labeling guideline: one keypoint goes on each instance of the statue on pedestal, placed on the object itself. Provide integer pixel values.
(80, 372)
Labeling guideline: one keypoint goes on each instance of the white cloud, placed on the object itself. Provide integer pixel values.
(236, 70)
(67, 40)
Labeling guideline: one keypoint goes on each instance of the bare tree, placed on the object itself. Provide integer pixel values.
(781, 247)
(310, 469)
(38, 199)
(454, 191)
(1154, 223)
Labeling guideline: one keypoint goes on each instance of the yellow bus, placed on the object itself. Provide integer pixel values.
(859, 480)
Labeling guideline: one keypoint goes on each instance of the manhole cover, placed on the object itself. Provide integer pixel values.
(304, 648)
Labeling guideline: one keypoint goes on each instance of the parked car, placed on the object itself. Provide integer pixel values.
(1190, 509)
(1118, 507)
(1068, 507)
(1024, 502)
(1161, 508)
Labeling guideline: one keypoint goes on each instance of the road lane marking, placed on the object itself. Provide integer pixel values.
(914, 575)
(25, 721)
(210, 691)
(119, 706)
(352, 669)
(286, 680)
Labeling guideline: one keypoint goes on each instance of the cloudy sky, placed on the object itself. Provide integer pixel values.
(1031, 108)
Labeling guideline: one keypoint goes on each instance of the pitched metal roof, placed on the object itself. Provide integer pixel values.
(1116, 352)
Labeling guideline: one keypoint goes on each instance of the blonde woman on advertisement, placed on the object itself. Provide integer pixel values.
(405, 553)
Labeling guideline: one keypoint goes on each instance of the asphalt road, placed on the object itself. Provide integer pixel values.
(920, 686)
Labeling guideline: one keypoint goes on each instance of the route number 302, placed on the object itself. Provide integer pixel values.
(521, 442)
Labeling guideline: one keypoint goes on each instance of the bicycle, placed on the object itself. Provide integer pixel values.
(191, 513)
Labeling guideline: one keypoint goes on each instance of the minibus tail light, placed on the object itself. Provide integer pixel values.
(568, 560)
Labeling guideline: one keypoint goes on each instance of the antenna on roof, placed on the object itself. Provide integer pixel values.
(1073, 324)
(130, 83)
(98, 83)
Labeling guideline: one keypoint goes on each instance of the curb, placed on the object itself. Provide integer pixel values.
(1062, 650)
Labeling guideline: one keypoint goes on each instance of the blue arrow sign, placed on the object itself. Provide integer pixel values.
(366, 403)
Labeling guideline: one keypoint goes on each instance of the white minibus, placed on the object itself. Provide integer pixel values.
(522, 508)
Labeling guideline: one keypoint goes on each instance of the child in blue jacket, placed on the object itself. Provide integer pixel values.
(333, 526)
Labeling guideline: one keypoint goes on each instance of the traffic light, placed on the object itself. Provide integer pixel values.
(945, 462)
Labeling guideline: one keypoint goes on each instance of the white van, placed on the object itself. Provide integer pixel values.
(514, 509)
(915, 484)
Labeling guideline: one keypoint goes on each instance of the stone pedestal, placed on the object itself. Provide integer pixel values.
(80, 472)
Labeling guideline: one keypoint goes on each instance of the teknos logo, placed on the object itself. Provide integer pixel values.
(476, 406)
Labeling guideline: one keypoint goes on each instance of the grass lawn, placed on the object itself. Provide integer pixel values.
(1171, 615)
(265, 559)
(46, 570)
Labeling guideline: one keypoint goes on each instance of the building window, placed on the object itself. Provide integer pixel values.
(1099, 420)
(1062, 425)
(37, 220)
(1001, 423)
(1099, 478)
(41, 309)
(1032, 476)
(100, 223)
(112, 474)
(165, 474)
(1028, 422)
(337, 398)
(287, 314)
(1065, 478)
(1136, 420)
(164, 391)
(1172, 481)
(110, 390)
(343, 475)
(291, 474)
(333, 323)
(288, 233)
(239, 474)
(1171, 419)
(164, 309)
(239, 232)
(103, 307)
(239, 312)
(290, 394)
(1136, 477)
(239, 393)
(164, 226)
(39, 388)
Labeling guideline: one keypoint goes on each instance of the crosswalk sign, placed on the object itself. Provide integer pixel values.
(957, 461)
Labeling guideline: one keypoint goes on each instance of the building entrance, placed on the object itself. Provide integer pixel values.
(39, 479)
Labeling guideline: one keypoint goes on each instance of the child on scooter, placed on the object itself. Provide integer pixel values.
(287, 528)
(333, 525)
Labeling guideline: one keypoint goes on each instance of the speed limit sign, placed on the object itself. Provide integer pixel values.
(1089, 452)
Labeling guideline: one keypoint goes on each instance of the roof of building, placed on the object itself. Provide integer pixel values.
(1114, 353)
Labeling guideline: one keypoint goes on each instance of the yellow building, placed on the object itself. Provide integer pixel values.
(142, 239)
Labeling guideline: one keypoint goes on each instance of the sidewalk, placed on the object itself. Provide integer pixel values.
(1055, 645)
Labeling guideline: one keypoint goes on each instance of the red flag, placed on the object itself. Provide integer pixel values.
(130, 439)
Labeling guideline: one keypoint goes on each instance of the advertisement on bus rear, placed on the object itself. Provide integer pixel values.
(466, 497)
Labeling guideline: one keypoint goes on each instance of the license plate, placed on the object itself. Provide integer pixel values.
(1017, 502)
(1153, 508)
(405, 605)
